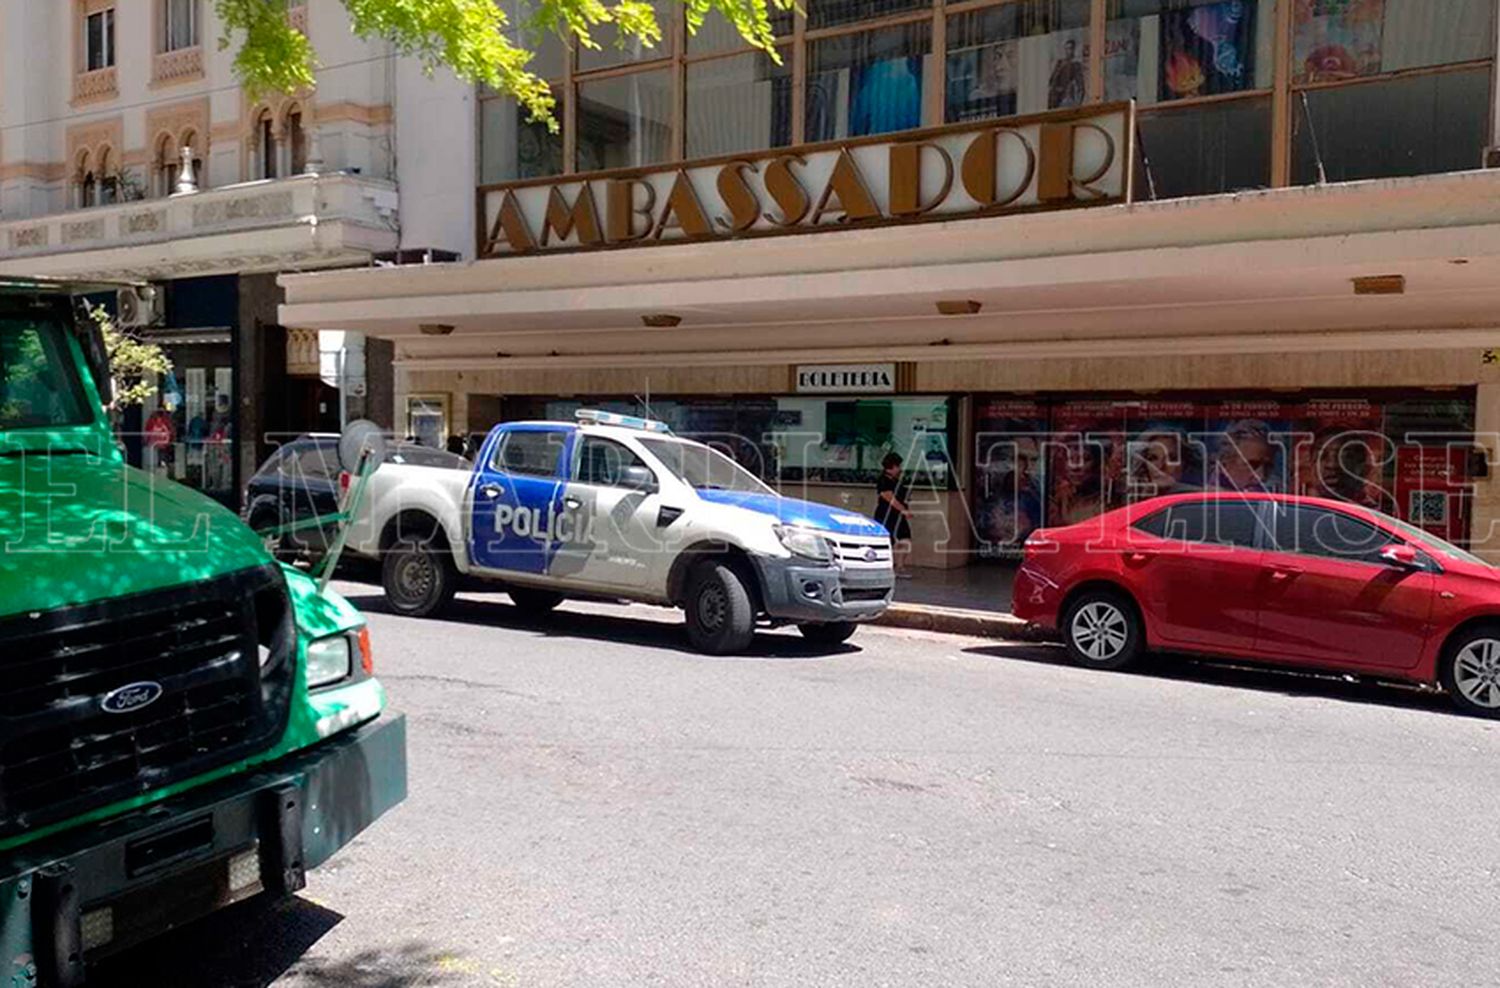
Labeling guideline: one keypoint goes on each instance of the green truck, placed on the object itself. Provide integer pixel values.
(184, 723)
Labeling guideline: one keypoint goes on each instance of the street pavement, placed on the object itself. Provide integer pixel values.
(593, 805)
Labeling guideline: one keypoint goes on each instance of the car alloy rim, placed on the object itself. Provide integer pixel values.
(1476, 672)
(415, 576)
(712, 603)
(1100, 630)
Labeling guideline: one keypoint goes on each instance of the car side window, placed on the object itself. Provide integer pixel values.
(1312, 531)
(603, 462)
(529, 454)
(1212, 521)
(318, 462)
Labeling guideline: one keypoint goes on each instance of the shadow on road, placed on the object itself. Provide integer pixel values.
(1265, 679)
(624, 630)
(253, 944)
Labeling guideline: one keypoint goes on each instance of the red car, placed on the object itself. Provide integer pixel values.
(1295, 581)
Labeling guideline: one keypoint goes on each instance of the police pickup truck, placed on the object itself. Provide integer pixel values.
(612, 506)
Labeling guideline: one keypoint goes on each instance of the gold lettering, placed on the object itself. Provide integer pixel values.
(622, 209)
(980, 169)
(1086, 183)
(683, 202)
(787, 191)
(511, 224)
(563, 219)
(1054, 181)
(906, 179)
(847, 186)
(735, 191)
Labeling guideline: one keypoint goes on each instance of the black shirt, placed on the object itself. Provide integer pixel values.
(885, 512)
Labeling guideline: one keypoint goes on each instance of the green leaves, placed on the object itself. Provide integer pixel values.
(134, 363)
(474, 38)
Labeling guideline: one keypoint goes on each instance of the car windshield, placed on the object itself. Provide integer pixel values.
(1442, 546)
(704, 468)
(39, 384)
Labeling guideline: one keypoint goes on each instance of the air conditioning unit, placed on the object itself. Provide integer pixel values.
(140, 307)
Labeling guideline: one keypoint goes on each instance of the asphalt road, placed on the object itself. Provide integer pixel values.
(592, 805)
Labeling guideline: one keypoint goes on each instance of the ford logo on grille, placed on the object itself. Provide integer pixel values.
(871, 555)
(131, 697)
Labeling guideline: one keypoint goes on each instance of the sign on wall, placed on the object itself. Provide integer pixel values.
(1051, 161)
(829, 379)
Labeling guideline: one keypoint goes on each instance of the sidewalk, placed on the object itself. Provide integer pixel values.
(970, 600)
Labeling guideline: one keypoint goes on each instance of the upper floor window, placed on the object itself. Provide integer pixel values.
(179, 24)
(99, 39)
(267, 147)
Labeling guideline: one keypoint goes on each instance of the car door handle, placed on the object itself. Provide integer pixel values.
(1138, 555)
(572, 502)
(1283, 573)
(491, 491)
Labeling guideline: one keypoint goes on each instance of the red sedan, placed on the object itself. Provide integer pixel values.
(1296, 581)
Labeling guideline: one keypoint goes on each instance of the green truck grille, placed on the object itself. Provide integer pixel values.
(76, 728)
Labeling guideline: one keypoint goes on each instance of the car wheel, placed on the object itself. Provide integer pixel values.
(1470, 671)
(418, 577)
(720, 614)
(831, 633)
(1102, 630)
(534, 603)
(265, 516)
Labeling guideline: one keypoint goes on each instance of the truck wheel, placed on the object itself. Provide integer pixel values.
(419, 578)
(832, 633)
(720, 615)
(534, 603)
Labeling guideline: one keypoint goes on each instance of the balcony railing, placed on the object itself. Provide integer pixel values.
(178, 65)
(99, 84)
(339, 211)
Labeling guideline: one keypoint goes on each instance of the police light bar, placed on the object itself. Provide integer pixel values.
(593, 416)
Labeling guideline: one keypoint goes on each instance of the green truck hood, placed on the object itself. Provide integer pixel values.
(74, 528)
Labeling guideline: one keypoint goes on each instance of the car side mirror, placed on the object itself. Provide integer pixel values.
(1401, 556)
(638, 478)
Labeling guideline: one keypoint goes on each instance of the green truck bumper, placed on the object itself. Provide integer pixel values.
(100, 888)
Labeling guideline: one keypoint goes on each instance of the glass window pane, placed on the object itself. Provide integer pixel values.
(829, 13)
(717, 34)
(1416, 126)
(1337, 39)
(625, 122)
(94, 41)
(612, 52)
(1018, 58)
(1218, 522)
(1160, 50)
(868, 83)
(1204, 150)
(743, 103)
(511, 147)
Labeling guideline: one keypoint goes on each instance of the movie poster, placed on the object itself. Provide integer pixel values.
(887, 96)
(1207, 50)
(983, 82)
(1341, 452)
(1165, 453)
(1068, 78)
(1085, 460)
(1009, 436)
(1246, 447)
(1337, 39)
(1431, 487)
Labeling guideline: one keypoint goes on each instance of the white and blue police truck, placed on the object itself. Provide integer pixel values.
(617, 507)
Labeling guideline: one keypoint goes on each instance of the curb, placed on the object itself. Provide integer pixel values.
(956, 621)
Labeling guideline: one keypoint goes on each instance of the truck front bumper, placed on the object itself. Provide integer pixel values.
(799, 591)
(102, 887)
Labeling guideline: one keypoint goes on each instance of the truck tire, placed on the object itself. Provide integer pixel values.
(419, 577)
(830, 634)
(720, 613)
(534, 603)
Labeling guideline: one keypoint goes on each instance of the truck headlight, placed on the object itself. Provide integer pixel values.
(805, 543)
(327, 660)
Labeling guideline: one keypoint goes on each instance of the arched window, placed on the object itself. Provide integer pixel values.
(87, 189)
(109, 179)
(297, 137)
(165, 165)
(267, 151)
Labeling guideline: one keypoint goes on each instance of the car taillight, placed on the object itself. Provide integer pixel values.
(366, 656)
(344, 478)
(1038, 544)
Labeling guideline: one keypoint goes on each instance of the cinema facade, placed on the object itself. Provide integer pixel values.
(1048, 302)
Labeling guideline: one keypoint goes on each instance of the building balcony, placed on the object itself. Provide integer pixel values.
(97, 85)
(180, 65)
(283, 224)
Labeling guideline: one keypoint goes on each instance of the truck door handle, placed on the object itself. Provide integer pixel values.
(572, 502)
(491, 491)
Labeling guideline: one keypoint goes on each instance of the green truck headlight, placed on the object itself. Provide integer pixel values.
(327, 661)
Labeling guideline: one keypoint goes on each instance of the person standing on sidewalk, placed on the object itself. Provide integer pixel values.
(892, 511)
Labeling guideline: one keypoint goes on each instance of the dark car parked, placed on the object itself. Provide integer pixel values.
(304, 480)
